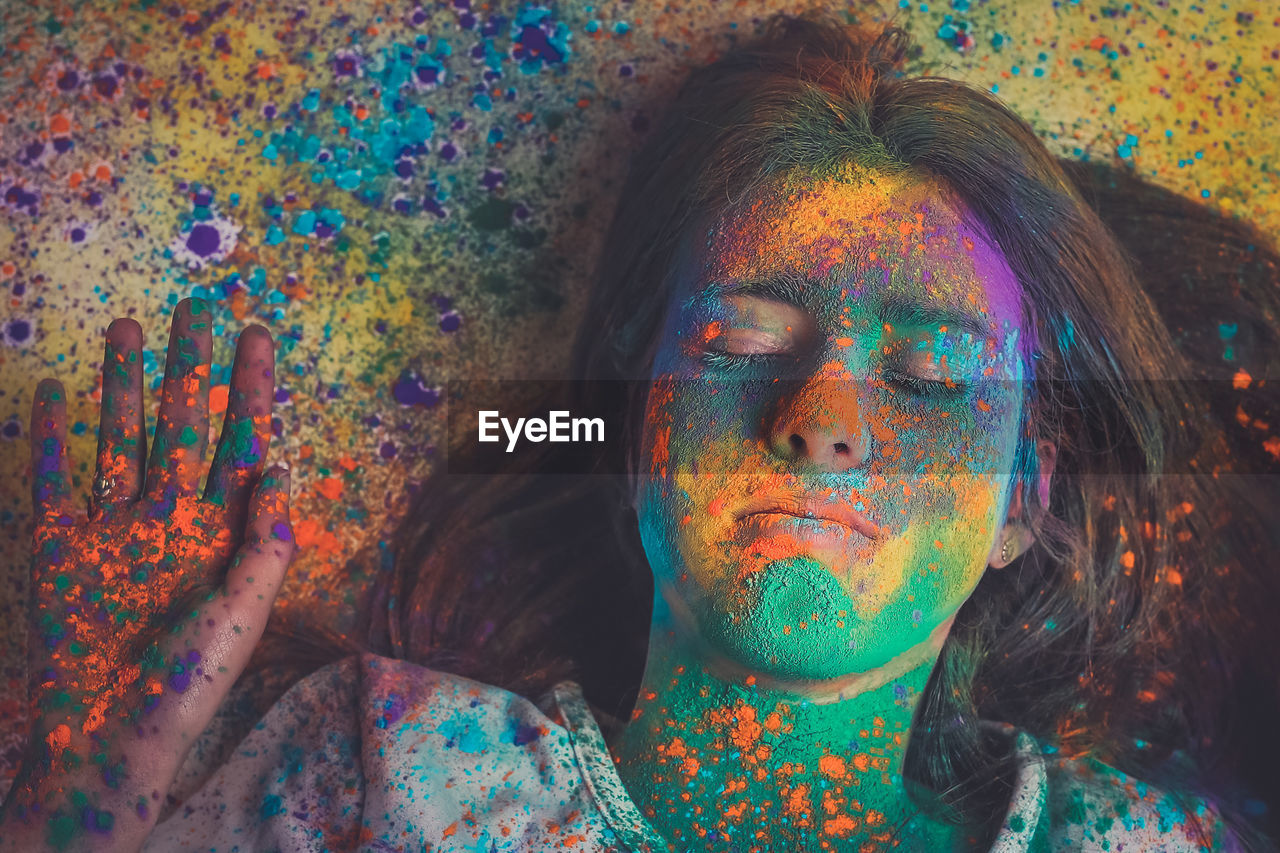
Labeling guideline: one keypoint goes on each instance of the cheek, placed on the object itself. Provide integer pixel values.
(953, 471)
(694, 457)
(944, 540)
(944, 508)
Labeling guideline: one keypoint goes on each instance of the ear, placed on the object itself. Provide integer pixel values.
(1015, 536)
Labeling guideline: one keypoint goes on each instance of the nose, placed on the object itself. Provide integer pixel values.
(821, 422)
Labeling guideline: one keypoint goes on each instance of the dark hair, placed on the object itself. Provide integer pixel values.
(1113, 636)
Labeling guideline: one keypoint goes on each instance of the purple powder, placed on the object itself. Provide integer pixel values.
(411, 390)
(203, 240)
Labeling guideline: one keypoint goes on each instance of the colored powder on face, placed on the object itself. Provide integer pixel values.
(765, 628)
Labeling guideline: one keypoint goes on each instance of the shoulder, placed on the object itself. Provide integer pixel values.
(408, 707)
(374, 749)
(1088, 805)
(374, 699)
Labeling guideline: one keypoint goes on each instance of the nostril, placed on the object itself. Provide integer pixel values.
(797, 443)
(841, 447)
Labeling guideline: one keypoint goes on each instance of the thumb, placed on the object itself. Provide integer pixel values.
(218, 641)
(257, 571)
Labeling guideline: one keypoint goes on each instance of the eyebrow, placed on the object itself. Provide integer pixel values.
(895, 311)
(901, 312)
(783, 288)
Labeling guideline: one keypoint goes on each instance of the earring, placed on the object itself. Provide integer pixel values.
(1006, 551)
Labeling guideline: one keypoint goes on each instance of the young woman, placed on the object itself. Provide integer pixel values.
(906, 456)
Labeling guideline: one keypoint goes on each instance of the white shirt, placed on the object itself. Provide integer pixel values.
(375, 754)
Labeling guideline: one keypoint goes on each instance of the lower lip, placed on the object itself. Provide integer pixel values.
(806, 529)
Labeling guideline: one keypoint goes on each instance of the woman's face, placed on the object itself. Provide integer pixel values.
(830, 437)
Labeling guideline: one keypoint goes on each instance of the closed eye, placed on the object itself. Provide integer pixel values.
(752, 329)
(739, 362)
(929, 388)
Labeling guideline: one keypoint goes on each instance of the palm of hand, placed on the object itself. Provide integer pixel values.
(144, 614)
(110, 590)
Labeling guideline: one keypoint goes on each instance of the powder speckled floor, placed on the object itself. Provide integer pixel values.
(405, 195)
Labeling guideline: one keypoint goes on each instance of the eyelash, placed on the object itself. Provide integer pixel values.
(927, 388)
(931, 388)
(736, 362)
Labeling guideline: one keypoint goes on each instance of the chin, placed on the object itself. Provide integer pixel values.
(795, 622)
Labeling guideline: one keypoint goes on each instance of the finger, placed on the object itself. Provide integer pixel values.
(258, 569)
(246, 427)
(50, 469)
(205, 658)
(52, 505)
(122, 433)
(182, 429)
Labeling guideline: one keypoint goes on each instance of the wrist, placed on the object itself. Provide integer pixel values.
(76, 804)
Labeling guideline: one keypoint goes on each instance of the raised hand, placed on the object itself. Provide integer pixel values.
(144, 613)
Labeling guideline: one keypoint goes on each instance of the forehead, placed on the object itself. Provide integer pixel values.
(870, 238)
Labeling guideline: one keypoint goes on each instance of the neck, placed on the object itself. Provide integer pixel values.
(716, 755)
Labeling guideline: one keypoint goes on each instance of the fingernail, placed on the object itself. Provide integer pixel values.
(50, 390)
(198, 305)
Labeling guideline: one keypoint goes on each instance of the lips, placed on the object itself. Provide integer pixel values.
(808, 507)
